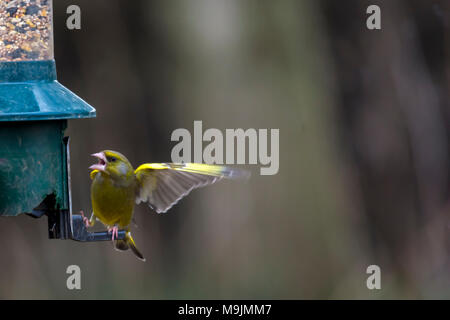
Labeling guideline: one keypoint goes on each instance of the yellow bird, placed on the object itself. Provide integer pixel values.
(117, 187)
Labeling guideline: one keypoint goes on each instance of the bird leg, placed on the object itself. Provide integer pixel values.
(87, 222)
(115, 232)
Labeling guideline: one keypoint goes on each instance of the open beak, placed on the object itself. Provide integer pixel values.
(101, 165)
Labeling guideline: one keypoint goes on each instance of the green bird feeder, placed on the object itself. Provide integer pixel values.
(34, 110)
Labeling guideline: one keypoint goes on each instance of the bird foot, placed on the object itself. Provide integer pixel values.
(85, 220)
(115, 232)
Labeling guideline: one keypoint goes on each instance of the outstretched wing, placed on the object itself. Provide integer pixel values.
(162, 185)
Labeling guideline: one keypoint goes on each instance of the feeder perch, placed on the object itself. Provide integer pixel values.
(34, 110)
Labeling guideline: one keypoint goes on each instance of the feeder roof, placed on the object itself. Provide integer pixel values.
(29, 91)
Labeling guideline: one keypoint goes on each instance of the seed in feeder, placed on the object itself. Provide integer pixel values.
(25, 47)
(21, 30)
(33, 9)
(20, 13)
(25, 30)
(11, 11)
(32, 55)
(31, 24)
(16, 54)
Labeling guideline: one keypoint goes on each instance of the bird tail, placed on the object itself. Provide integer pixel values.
(128, 243)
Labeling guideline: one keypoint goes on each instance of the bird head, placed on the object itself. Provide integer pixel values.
(113, 164)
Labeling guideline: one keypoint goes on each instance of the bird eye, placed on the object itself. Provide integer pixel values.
(112, 159)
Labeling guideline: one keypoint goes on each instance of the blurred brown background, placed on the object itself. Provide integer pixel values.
(364, 123)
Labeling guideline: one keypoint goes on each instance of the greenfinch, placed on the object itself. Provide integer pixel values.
(116, 188)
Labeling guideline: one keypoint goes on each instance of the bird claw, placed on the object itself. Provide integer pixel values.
(85, 220)
(115, 232)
